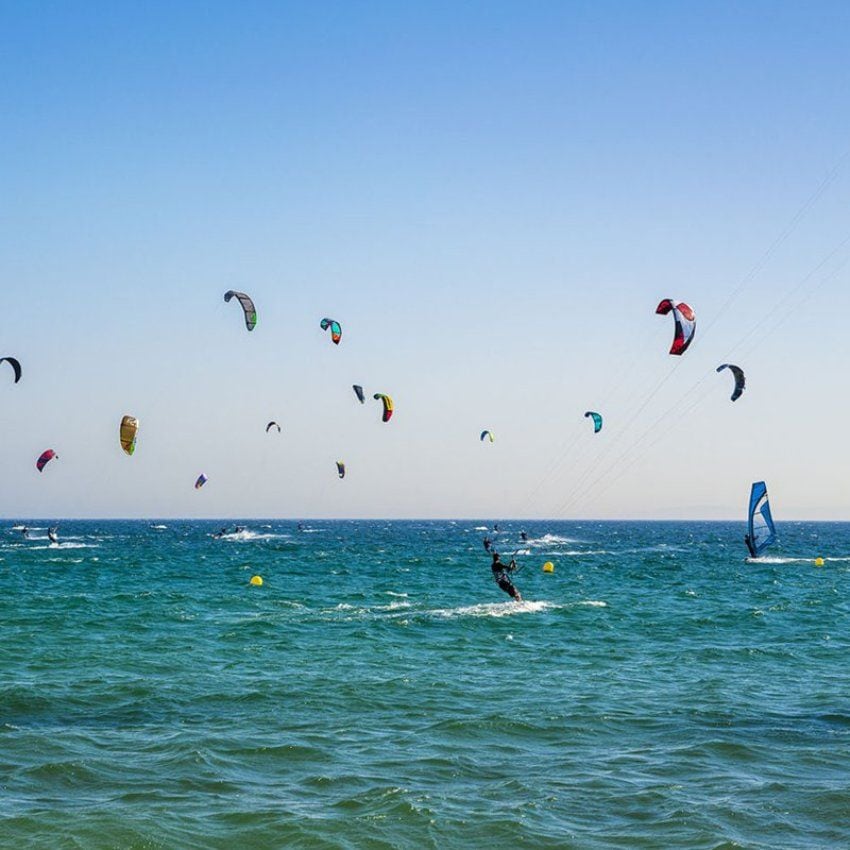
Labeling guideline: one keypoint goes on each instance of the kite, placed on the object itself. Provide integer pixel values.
(740, 381)
(388, 406)
(597, 421)
(336, 329)
(340, 468)
(202, 479)
(686, 323)
(270, 425)
(127, 433)
(45, 458)
(358, 391)
(247, 307)
(486, 434)
(16, 366)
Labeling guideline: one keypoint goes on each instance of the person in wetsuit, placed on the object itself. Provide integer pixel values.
(488, 543)
(523, 536)
(501, 574)
(52, 534)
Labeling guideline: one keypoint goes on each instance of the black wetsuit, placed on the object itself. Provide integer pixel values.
(500, 575)
(487, 544)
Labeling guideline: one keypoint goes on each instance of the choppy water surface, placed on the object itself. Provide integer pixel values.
(378, 691)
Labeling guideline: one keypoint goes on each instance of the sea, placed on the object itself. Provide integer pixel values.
(378, 690)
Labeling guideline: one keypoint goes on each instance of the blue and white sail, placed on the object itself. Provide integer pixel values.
(761, 531)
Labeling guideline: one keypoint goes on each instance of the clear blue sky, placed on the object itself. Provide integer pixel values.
(491, 197)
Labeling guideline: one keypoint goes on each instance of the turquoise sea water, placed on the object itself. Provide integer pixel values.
(379, 691)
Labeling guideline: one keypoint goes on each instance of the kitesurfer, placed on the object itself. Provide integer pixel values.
(487, 544)
(25, 532)
(501, 576)
(523, 536)
(51, 534)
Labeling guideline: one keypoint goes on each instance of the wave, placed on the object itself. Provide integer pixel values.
(769, 560)
(579, 552)
(776, 560)
(495, 609)
(246, 536)
(549, 539)
(158, 527)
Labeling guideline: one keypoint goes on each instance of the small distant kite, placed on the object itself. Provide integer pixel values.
(272, 425)
(740, 381)
(336, 329)
(597, 421)
(202, 479)
(358, 391)
(486, 434)
(247, 307)
(340, 469)
(127, 433)
(685, 320)
(44, 458)
(16, 366)
(388, 406)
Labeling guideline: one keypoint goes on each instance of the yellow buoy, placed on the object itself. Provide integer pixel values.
(256, 580)
(818, 562)
(548, 567)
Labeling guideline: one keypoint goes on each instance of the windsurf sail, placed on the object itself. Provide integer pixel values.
(761, 532)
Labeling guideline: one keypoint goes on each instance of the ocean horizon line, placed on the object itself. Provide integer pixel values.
(296, 519)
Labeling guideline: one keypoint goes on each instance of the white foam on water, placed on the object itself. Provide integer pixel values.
(549, 539)
(575, 553)
(769, 560)
(246, 535)
(592, 603)
(480, 528)
(393, 606)
(159, 527)
(67, 546)
(495, 609)
(399, 595)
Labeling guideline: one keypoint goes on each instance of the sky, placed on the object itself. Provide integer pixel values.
(492, 198)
